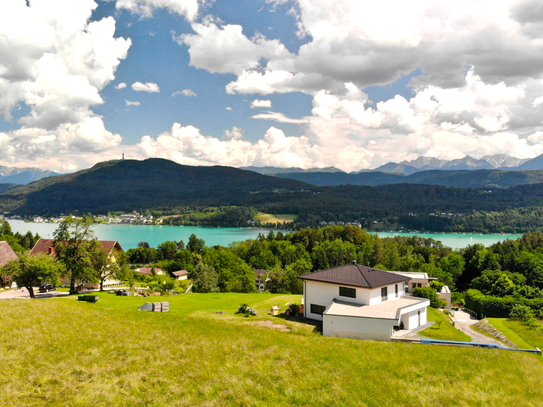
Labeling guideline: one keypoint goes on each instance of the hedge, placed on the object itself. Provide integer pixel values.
(497, 307)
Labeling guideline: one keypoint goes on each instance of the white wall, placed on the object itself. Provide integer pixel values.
(357, 327)
(319, 293)
(410, 319)
(391, 293)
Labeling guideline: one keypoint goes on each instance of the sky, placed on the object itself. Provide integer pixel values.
(352, 84)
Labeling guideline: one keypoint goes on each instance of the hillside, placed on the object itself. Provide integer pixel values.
(150, 184)
(7, 187)
(449, 178)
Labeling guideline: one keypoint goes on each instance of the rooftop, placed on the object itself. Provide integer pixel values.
(414, 274)
(45, 246)
(6, 253)
(355, 275)
(383, 310)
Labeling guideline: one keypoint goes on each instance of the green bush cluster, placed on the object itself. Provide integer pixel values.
(430, 293)
(498, 307)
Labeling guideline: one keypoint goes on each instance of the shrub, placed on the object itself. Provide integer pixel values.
(430, 293)
(498, 307)
(246, 310)
(294, 308)
(522, 312)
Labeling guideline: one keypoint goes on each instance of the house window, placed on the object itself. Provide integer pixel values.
(384, 293)
(396, 289)
(317, 309)
(419, 285)
(414, 286)
(347, 292)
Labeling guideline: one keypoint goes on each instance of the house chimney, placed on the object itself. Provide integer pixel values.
(354, 261)
(51, 250)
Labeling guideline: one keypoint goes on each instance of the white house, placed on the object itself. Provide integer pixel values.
(180, 274)
(355, 301)
(416, 279)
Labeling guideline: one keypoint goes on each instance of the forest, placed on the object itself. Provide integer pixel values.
(511, 269)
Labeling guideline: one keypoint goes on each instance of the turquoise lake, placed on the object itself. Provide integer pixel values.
(130, 235)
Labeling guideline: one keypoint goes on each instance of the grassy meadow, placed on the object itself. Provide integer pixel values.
(518, 332)
(61, 352)
(279, 219)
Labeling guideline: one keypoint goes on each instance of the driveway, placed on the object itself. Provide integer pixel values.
(463, 322)
(22, 293)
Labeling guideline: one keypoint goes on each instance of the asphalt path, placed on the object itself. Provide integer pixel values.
(22, 293)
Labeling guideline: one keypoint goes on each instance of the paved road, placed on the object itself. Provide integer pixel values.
(463, 322)
(22, 293)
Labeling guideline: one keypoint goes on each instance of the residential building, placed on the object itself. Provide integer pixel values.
(111, 247)
(6, 254)
(355, 301)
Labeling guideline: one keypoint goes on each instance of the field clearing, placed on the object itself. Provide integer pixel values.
(66, 353)
(269, 218)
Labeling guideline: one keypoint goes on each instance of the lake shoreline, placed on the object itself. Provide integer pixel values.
(129, 236)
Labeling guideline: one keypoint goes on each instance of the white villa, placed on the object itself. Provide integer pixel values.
(355, 301)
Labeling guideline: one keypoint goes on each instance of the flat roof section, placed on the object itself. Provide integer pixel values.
(383, 310)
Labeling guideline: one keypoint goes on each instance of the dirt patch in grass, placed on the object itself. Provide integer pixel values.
(270, 324)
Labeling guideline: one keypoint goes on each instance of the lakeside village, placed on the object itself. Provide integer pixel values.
(137, 218)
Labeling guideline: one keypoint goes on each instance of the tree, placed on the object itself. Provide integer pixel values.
(109, 265)
(74, 246)
(31, 270)
(196, 245)
(205, 279)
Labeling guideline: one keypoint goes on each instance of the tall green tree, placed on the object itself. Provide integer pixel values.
(109, 265)
(205, 279)
(28, 271)
(74, 247)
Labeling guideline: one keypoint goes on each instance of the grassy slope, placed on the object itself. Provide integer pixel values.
(518, 333)
(444, 332)
(268, 218)
(63, 352)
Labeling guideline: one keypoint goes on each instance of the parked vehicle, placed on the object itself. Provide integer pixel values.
(44, 288)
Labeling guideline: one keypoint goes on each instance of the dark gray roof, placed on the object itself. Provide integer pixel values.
(355, 275)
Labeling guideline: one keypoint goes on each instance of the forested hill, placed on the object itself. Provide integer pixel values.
(126, 185)
(459, 179)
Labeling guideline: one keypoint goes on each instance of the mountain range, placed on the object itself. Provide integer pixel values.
(420, 164)
(22, 176)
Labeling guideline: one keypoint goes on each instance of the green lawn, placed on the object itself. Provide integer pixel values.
(443, 330)
(518, 332)
(62, 352)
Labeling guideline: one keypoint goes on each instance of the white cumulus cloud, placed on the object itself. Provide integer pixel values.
(121, 85)
(260, 103)
(184, 92)
(129, 103)
(187, 8)
(146, 87)
(56, 62)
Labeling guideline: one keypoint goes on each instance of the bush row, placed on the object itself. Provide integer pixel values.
(498, 307)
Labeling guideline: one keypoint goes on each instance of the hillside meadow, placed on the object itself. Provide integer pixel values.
(61, 352)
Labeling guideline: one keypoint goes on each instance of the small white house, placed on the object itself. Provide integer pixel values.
(355, 301)
(416, 279)
(180, 274)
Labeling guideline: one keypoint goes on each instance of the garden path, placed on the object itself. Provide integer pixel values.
(463, 322)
